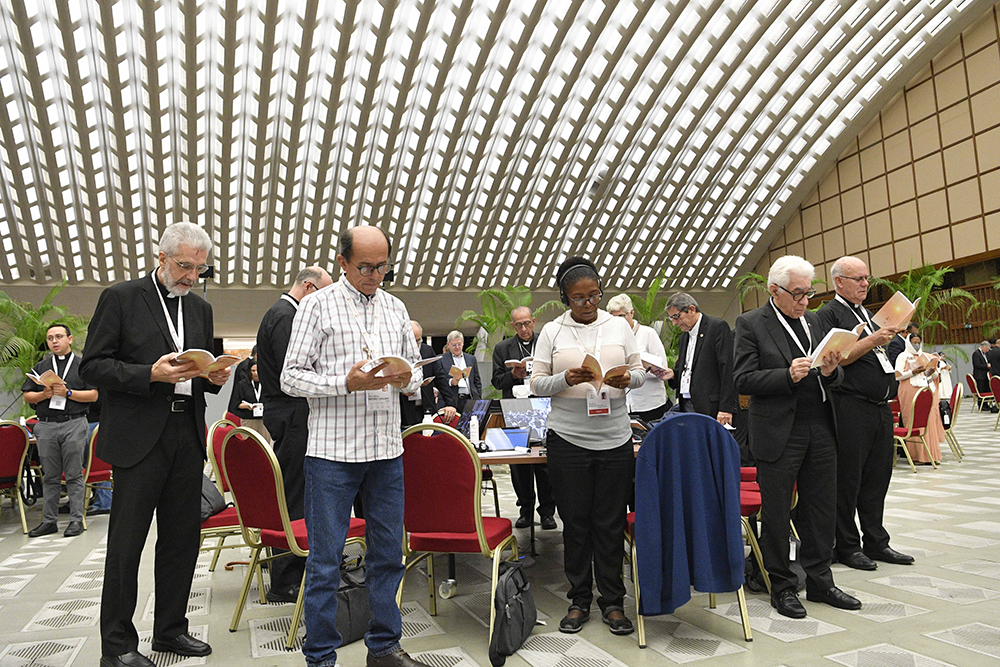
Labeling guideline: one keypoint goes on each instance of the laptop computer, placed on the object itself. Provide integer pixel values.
(479, 408)
(506, 439)
(530, 413)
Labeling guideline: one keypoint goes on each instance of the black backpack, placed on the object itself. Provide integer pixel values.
(515, 613)
(212, 501)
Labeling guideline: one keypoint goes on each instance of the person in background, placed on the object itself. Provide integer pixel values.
(915, 371)
(648, 402)
(239, 373)
(898, 343)
(981, 371)
(590, 456)
(414, 405)
(250, 405)
(456, 391)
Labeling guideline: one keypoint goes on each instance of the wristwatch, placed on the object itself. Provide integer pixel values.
(69, 392)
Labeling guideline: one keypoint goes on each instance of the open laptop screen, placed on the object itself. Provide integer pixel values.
(530, 413)
(506, 439)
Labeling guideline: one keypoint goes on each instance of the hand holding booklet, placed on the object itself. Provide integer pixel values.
(836, 340)
(46, 379)
(518, 363)
(896, 312)
(600, 375)
(205, 361)
(399, 366)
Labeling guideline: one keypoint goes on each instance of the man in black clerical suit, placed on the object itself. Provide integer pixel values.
(286, 418)
(456, 392)
(792, 434)
(153, 433)
(524, 477)
(239, 373)
(993, 356)
(981, 372)
(703, 373)
(898, 343)
(865, 449)
(412, 408)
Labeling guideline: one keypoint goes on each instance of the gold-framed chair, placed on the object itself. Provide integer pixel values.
(920, 413)
(14, 441)
(95, 472)
(225, 524)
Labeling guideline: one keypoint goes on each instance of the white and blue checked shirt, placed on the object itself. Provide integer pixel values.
(326, 341)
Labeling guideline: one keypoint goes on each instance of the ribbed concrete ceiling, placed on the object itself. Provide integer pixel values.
(491, 139)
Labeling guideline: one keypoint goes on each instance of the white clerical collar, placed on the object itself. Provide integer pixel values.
(61, 357)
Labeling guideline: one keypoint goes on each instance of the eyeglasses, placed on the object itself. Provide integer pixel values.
(798, 296)
(366, 271)
(592, 300)
(676, 317)
(523, 325)
(858, 279)
(187, 267)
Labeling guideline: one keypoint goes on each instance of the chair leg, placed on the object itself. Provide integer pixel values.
(927, 449)
(245, 592)
(744, 614)
(997, 423)
(900, 443)
(755, 550)
(86, 502)
(430, 585)
(711, 600)
(950, 439)
(20, 505)
(218, 552)
(296, 615)
(496, 496)
(639, 620)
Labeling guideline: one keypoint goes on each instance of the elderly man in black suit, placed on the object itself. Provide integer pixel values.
(413, 407)
(981, 371)
(153, 433)
(703, 373)
(993, 356)
(455, 390)
(792, 434)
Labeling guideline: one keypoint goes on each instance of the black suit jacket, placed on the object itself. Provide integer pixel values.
(503, 377)
(442, 379)
(410, 412)
(895, 348)
(712, 386)
(127, 334)
(763, 356)
(981, 370)
(993, 356)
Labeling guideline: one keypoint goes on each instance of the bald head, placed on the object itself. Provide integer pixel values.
(309, 280)
(364, 250)
(850, 279)
(418, 331)
(523, 323)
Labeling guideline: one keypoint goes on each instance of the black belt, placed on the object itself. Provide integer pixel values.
(181, 404)
(866, 399)
(61, 418)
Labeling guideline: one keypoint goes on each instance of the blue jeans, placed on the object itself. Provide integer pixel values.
(330, 490)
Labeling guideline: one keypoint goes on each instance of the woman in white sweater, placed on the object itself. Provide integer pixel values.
(589, 442)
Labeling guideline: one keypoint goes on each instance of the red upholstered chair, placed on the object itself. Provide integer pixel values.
(14, 440)
(981, 398)
(254, 477)
(994, 388)
(95, 472)
(949, 433)
(443, 507)
(225, 524)
(230, 417)
(923, 403)
(489, 482)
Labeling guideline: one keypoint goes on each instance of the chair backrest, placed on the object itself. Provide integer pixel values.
(442, 476)
(254, 477)
(94, 462)
(995, 385)
(235, 419)
(216, 435)
(973, 387)
(955, 398)
(14, 441)
(439, 419)
(923, 401)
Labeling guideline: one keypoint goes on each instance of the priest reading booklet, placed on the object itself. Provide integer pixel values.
(205, 361)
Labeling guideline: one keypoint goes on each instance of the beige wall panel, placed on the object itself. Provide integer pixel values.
(814, 249)
(872, 162)
(853, 206)
(833, 243)
(831, 214)
(929, 174)
(956, 123)
(871, 134)
(993, 230)
(901, 186)
(881, 261)
(968, 238)
(876, 196)
(920, 101)
(960, 162)
(814, 197)
(964, 201)
(923, 75)
(990, 187)
(950, 55)
(933, 211)
(950, 86)
(908, 254)
(794, 249)
(850, 172)
(811, 223)
(880, 225)
(793, 230)
(822, 276)
(986, 109)
(897, 150)
(937, 246)
(829, 186)
(925, 138)
(851, 149)
(988, 149)
(980, 33)
(984, 68)
(904, 221)
(856, 236)
(894, 116)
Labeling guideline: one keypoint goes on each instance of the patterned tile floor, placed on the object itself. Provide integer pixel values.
(942, 611)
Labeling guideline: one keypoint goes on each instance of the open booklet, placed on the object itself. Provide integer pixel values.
(519, 363)
(397, 366)
(600, 375)
(205, 361)
(460, 373)
(46, 379)
(836, 340)
(896, 312)
(653, 362)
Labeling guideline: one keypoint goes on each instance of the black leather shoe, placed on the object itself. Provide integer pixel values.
(130, 659)
(99, 511)
(571, 624)
(278, 596)
(619, 626)
(548, 523)
(858, 561)
(73, 529)
(890, 555)
(522, 522)
(183, 644)
(787, 603)
(397, 659)
(43, 529)
(834, 597)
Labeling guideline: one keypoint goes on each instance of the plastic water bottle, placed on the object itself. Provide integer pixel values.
(474, 429)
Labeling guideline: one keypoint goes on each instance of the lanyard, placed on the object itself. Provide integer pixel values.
(798, 342)
(256, 390)
(55, 369)
(526, 350)
(177, 333)
(869, 327)
(597, 345)
(370, 336)
(290, 300)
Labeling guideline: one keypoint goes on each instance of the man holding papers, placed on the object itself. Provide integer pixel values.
(457, 377)
(864, 421)
(354, 441)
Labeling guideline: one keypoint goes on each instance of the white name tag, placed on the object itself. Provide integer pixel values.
(527, 367)
(57, 403)
(183, 388)
(884, 360)
(258, 409)
(379, 400)
(599, 404)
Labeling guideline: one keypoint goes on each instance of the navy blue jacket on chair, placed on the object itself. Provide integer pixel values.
(687, 512)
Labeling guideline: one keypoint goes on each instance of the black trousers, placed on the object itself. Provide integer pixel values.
(524, 477)
(167, 481)
(864, 468)
(592, 489)
(288, 422)
(652, 415)
(809, 458)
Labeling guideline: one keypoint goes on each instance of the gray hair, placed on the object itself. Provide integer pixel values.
(452, 335)
(840, 266)
(682, 301)
(786, 266)
(985, 343)
(414, 323)
(313, 273)
(620, 303)
(184, 232)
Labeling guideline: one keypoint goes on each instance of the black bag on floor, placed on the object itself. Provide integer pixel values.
(212, 501)
(352, 602)
(515, 613)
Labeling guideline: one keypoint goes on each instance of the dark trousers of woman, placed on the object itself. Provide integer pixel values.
(591, 489)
